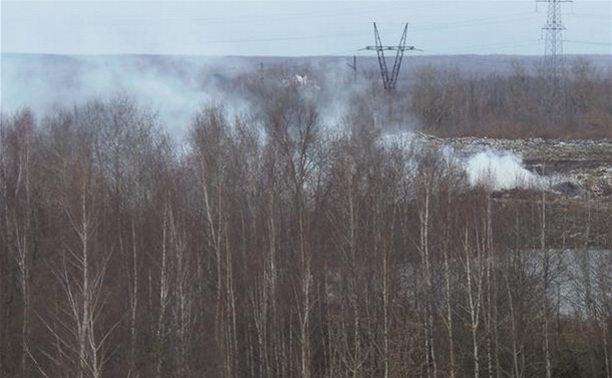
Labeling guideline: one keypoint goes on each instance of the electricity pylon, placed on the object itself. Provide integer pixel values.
(390, 80)
(553, 34)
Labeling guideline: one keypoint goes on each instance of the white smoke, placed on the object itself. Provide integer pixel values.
(493, 169)
(174, 87)
(501, 171)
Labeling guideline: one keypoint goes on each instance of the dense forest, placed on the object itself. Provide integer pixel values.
(576, 104)
(276, 244)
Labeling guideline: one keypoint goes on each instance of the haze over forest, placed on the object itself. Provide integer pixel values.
(277, 212)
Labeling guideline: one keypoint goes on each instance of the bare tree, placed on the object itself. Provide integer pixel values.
(17, 141)
(79, 326)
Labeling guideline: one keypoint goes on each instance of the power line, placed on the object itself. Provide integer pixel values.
(271, 39)
(591, 16)
(248, 19)
(486, 47)
(351, 35)
(590, 42)
(473, 22)
(326, 13)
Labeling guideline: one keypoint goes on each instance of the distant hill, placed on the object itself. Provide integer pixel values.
(179, 84)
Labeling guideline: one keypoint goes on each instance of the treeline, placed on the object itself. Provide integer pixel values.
(272, 247)
(576, 103)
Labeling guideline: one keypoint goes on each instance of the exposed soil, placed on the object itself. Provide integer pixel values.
(581, 191)
(583, 167)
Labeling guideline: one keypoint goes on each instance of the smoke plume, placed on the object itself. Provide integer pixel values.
(501, 171)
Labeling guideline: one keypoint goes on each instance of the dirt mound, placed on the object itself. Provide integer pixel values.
(577, 167)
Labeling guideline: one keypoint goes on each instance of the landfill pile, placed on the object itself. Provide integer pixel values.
(580, 167)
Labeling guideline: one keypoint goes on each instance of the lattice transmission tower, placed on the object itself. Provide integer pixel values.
(553, 31)
(390, 79)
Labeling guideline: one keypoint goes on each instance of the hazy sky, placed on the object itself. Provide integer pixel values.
(294, 28)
